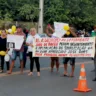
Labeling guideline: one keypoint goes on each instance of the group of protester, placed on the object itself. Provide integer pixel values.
(27, 47)
(22, 53)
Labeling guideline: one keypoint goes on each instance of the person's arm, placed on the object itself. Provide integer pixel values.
(7, 49)
(51, 28)
(73, 33)
(28, 42)
(47, 32)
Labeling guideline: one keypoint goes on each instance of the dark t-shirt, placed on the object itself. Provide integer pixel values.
(3, 43)
(72, 59)
(68, 36)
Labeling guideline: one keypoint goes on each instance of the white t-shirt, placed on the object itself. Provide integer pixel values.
(30, 40)
(82, 36)
(54, 35)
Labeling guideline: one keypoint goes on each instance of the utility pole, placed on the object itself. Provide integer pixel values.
(40, 24)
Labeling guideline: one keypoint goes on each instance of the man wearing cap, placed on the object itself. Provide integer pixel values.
(18, 52)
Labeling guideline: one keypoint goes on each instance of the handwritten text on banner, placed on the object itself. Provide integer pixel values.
(64, 47)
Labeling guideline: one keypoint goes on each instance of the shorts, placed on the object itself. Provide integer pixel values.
(72, 61)
(15, 54)
(54, 59)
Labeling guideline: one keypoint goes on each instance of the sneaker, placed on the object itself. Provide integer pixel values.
(9, 72)
(30, 74)
(38, 74)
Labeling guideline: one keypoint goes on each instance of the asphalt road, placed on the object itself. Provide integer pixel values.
(48, 84)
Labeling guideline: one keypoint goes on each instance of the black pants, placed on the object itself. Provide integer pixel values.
(95, 64)
(32, 59)
(2, 63)
(25, 55)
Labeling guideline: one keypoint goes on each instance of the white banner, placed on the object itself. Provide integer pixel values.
(64, 47)
(15, 41)
(59, 29)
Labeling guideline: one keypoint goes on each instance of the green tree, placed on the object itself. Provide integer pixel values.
(81, 13)
(28, 12)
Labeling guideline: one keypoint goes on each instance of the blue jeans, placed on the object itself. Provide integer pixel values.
(17, 53)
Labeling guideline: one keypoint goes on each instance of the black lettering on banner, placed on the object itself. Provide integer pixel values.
(60, 47)
(10, 45)
(89, 48)
(76, 49)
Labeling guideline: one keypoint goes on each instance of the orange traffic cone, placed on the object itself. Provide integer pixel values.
(82, 84)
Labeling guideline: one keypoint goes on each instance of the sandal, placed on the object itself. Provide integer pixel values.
(65, 75)
(1, 71)
(71, 76)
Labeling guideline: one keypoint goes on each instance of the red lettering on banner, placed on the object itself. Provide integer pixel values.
(37, 40)
(80, 55)
(53, 44)
(62, 55)
(38, 54)
(50, 40)
(88, 55)
(63, 39)
(39, 44)
(86, 39)
(50, 55)
(45, 44)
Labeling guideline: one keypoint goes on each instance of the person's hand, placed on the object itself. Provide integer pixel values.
(31, 45)
(7, 52)
(49, 25)
(50, 35)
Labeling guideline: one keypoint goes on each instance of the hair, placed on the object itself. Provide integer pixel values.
(73, 29)
(3, 31)
(19, 26)
(95, 27)
(33, 29)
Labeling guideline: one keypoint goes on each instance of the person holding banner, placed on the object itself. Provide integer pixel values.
(94, 35)
(17, 52)
(53, 59)
(72, 60)
(30, 44)
(3, 50)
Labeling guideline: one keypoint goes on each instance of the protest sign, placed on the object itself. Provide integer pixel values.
(14, 41)
(64, 47)
(59, 29)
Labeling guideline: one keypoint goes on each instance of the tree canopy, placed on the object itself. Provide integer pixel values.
(81, 13)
